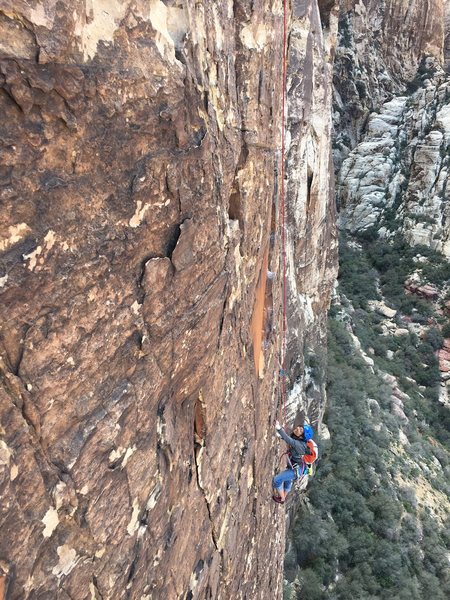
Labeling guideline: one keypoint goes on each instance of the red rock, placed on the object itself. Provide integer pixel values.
(444, 355)
(428, 292)
(140, 177)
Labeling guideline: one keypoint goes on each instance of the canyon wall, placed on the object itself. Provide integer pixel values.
(140, 335)
(380, 47)
(393, 176)
(447, 35)
(389, 328)
(395, 179)
(311, 236)
(393, 130)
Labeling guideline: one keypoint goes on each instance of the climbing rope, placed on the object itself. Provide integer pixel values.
(283, 216)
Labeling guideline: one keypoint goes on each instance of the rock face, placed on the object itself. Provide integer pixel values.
(396, 177)
(139, 331)
(311, 236)
(392, 120)
(380, 47)
(447, 36)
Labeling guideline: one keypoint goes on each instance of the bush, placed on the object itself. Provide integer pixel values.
(437, 272)
(310, 586)
(446, 330)
(434, 338)
(395, 262)
(356, 277)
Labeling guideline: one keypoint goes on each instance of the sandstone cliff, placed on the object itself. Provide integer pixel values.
(447, 35)
(311, 237)
(380, 47)
(396, 179)
(140, 338)
(392, 96)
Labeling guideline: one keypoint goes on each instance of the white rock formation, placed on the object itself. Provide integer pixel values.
(395, 179)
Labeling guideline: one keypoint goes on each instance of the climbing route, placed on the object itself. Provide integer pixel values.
(283, 217)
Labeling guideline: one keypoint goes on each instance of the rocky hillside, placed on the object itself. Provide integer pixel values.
(140, 335)
(376, 521)
(396, 178)
(392, 184)
(380, 47)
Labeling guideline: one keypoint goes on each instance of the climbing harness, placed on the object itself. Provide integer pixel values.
(301, 470)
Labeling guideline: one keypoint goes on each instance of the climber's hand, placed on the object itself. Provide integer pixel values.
(277, 425)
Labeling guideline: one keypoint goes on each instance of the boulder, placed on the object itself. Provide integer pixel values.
(384, 310)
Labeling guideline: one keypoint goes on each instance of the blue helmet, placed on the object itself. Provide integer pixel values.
(307, 432)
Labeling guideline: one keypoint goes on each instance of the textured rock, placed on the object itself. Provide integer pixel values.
(380, 47)
(140, 196)
(369, 170)
(447, 36)
(428, 292)
(444, 359)
(383, 309)
(395, 179)
(311, 235)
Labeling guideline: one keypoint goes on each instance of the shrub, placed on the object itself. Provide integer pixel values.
(356, 277)
(437, 272)
(355, 524)
(446, 330)
(434, 338)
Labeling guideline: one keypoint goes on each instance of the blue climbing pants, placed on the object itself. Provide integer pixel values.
(284, 480)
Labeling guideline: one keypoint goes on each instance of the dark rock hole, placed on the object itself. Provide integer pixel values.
(234, 208)
(173, 240)
(132, 571)
(309, 186)
(325, 8)
(199, 422)
(199, 567)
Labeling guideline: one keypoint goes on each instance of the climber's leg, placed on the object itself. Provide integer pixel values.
(282, 483)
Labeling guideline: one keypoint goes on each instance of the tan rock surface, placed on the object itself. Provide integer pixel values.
(447, 36)
(311, 235)
(139, 193)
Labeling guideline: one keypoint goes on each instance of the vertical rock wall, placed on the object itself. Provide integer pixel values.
(395, 179)
(139, 337)
(447, 35)
(311, 235)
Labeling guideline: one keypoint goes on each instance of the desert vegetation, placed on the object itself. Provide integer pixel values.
(375, 521)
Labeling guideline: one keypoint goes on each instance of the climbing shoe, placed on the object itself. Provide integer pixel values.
(278, 499)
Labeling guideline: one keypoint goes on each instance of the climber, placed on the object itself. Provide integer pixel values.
(298, 452)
